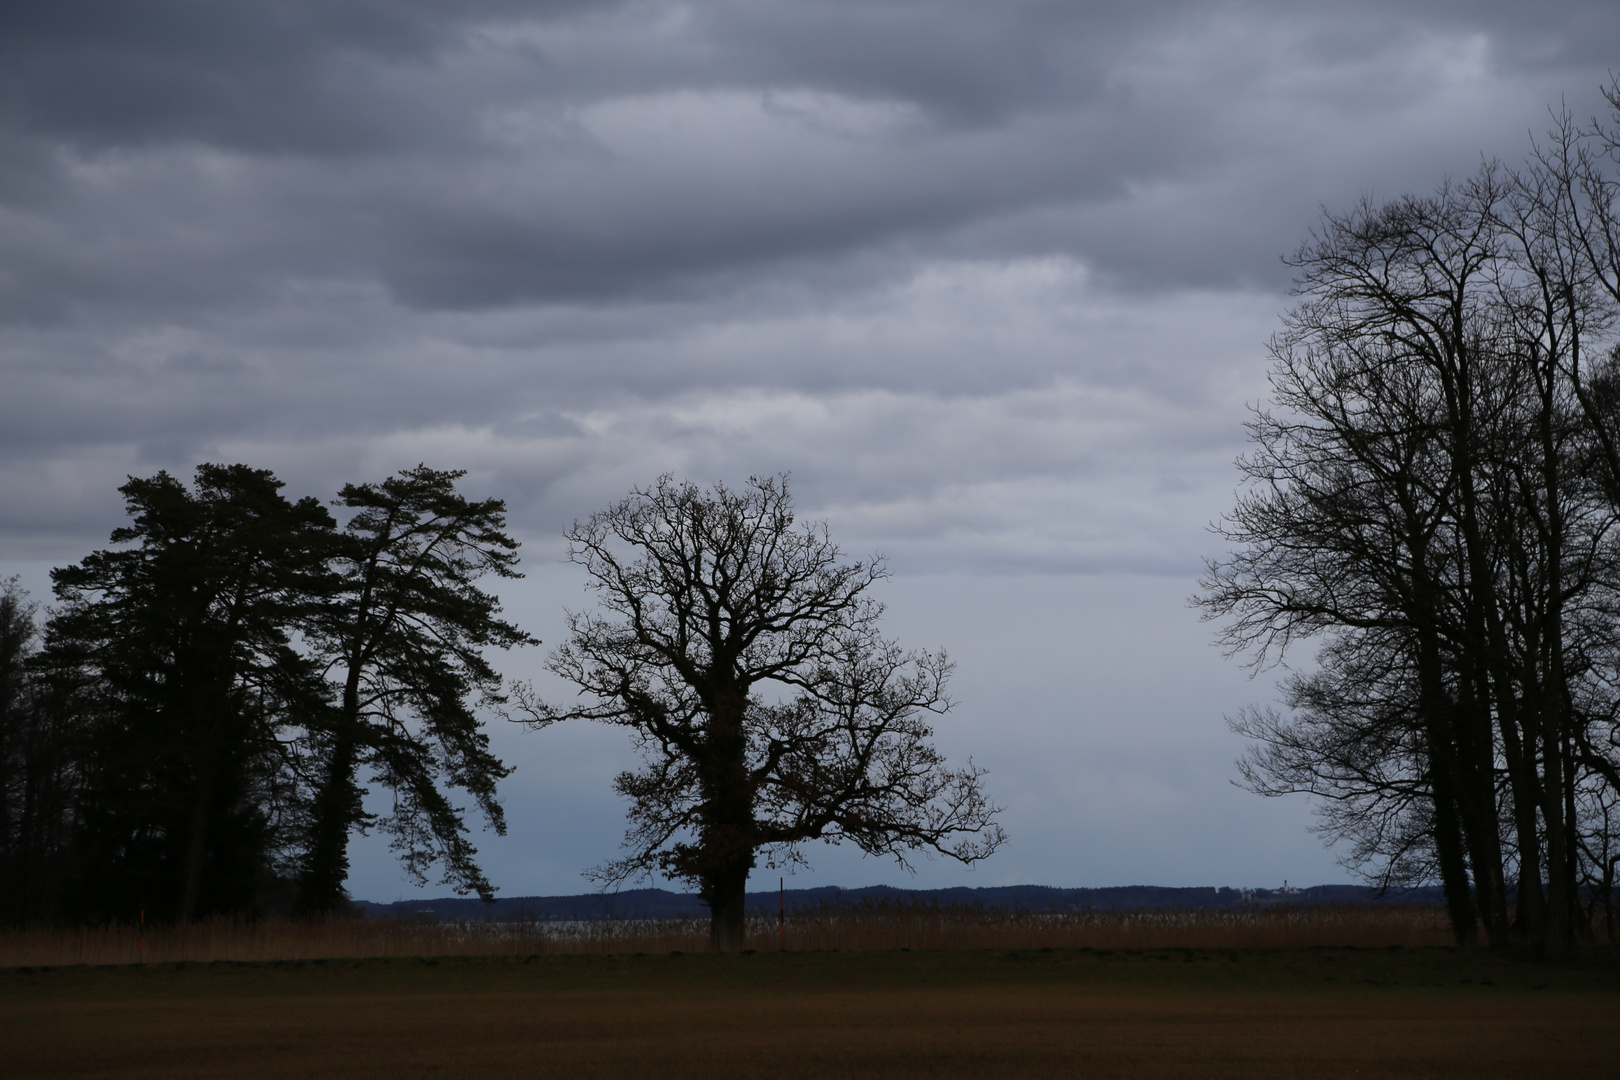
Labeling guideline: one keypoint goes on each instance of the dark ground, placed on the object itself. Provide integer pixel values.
(1308, 1012)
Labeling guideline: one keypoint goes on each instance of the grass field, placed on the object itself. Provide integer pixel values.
(1318, 1012)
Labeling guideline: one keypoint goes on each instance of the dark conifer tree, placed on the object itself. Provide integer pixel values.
(38, 777)
(402, 635)
(189, 691)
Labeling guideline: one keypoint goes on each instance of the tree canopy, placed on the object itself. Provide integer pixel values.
(182, 638)
(188, 739)
(401, 634)
(1432, 495)
(742, 651)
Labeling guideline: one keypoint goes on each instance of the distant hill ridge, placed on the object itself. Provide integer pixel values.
(661, 903)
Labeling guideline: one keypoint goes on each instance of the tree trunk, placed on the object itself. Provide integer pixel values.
(1448, 846)
(320, 891)
(1482, 611)
(1556, 711)
(1481, 820)
(1530, 919)
(727, 840)
(1439, 720)
(1559, 933)
(197, 842)
(727, 896)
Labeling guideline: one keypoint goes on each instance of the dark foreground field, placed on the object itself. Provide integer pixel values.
(1170, 1012)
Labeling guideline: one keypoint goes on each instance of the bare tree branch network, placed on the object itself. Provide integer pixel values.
(741, 650)
(1433, 497)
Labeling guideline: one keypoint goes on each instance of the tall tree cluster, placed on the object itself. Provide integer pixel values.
(38, 783)
(1433, 496)
(193, 729)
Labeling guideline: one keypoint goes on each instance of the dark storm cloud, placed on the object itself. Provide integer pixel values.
(239, 226)
(477, 155)
(278, 76)
(991, 280)
(312, 76)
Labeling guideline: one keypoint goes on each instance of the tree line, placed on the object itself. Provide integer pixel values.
(190, 731)
(195, 726)
(1433, 496)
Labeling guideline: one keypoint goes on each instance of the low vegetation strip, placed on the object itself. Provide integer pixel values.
(872, 925)
(1432, 1012)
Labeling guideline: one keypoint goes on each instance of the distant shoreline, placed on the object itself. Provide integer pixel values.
(662, 903)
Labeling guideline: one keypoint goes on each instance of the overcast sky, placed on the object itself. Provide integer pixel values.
(991, 281)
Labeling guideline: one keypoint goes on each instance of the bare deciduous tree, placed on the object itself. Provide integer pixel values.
(1432, 496)
(709, 599)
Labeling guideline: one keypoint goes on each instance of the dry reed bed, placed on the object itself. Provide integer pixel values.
(871, 925)
(931, 926)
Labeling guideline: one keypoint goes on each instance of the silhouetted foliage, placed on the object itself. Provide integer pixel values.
(708, 599)
(401, 635)
(190, 692)
(187, 740)
(38, 774)
(1433, 494)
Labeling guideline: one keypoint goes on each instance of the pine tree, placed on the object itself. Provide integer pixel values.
(402, 635)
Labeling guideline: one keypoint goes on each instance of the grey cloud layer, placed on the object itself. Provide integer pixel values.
(581, 242)
(992, 280)
(468, 156)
